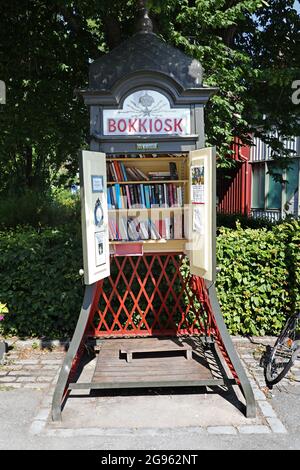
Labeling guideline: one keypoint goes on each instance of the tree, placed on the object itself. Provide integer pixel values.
(246, 48)
(44, 57)
(272, 41)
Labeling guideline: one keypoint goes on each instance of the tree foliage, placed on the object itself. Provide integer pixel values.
(248, 48)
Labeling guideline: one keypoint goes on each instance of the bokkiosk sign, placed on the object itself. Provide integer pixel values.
(146, 112)
(148, 195)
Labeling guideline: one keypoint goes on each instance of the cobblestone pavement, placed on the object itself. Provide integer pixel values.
(30, 368)
(35, 368)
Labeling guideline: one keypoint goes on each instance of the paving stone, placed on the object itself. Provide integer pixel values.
(3, 373)
(261, 383)
(258, 394)
(27, 361)
(13, 367)
(277, 426)
(50, 367)
(51, 361)
(26, 379)
(44, 379)
(7, 379)
(254, 429)
(19, 372)
(36, 385)
(32, 367)
(267, 409)
(221, 430)
(12, 385)
(39, 372)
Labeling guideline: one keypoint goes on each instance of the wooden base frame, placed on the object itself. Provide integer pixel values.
(105, 314)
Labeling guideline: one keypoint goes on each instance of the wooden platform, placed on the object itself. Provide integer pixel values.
(154, 363)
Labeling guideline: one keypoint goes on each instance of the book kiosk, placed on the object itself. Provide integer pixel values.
(150, 311)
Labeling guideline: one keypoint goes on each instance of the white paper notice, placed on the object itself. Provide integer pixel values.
(99, 247)
(197, 176)
(197, 219)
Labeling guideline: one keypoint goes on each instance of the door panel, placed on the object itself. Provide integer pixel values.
(200, 215)
(94, 216)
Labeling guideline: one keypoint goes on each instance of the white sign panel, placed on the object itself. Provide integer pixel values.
(146, 112)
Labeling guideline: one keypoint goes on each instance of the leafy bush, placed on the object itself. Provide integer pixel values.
(40, 282)
(257, 286)
(38, 209)
(39, 278)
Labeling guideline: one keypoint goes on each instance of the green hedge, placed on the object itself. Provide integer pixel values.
(40, 282)
(258, 284)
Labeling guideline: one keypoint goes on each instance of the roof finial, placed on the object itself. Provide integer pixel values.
(144, 23)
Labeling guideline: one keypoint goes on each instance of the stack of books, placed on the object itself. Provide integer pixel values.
(140, 228)
(116, 171)
(145, 196)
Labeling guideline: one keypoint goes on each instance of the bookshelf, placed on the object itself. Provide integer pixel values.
(146, 197)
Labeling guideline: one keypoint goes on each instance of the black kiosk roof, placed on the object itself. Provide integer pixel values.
(144, 52)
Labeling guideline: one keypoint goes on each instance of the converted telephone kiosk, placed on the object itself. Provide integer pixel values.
(150, 308)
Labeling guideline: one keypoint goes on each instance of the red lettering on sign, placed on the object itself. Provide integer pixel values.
(142, 125)
(111, 125)
(177, 124)
(158, 125)
(132, 123)
(122, 125)
(168, 125)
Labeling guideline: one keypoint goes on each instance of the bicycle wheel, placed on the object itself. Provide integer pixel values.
(284, 353)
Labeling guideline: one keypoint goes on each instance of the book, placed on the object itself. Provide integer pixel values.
(118, 197)
(143, 202)
(113, 172)
(123, 169)
(141, 173)
(123, 228)
(178, 223)
(147, 197)
(128, 196)
(173, 171)
(131, 175)
(133, 228)
(153, 231)
(144, 229)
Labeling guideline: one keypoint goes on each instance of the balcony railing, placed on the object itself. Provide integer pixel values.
(272, 215)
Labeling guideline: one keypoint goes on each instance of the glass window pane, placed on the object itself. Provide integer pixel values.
(275, 189)
(258, 186)
(292, 176)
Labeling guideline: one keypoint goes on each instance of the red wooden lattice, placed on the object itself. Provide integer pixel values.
(150, 295)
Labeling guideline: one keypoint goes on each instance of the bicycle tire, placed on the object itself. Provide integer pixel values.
(285, 341)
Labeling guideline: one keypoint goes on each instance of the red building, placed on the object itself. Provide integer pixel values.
(249, 189)
(234, 185)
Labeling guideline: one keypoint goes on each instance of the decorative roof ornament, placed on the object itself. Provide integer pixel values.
(144, 23)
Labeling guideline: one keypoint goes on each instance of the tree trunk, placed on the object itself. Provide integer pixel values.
(28, 167)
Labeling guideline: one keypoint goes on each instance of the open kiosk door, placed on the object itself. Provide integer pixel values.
(94, 216)
(200, 214)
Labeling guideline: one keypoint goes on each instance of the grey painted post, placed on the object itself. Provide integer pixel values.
(72, 351)
(245, 384)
